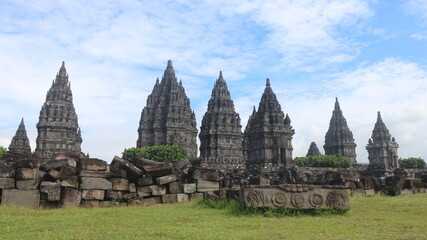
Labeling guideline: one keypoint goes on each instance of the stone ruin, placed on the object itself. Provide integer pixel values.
(255, 167)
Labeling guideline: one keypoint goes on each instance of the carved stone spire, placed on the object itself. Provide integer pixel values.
(167, 118)
(382, 148)
(313, 150)
(58, 128)
(20, 143)
(339, 139)
(268, 135)
(221, 136)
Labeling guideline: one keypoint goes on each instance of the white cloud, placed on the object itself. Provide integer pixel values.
(419, 36)
(417, 7)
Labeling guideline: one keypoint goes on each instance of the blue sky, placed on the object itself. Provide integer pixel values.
(369, 54)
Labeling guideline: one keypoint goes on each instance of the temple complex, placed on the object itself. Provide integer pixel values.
(221, 137)
(58, 128)
(268, 135)
(20, 143)
(339, 139)
(382, 148)
(167, 118)
(313, 150)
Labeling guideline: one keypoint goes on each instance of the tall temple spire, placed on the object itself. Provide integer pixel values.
(20, 143)
(167, 118)
(339, 139)
(58, 129)
(221, 136)
(382, 148)
(268, 140)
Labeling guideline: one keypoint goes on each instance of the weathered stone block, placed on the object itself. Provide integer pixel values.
(7, 183)
(27, 184)
(89, 203)
(52, 189)
(95, 183)
(132, 188)
(105, 204)
(370, 192)
(27, 173)
(169, 198)
(70, 182)
(158, 190)
(359, 192)
(93, 164)
(27, 163)
(145, 181)
(182, 197)
(157, 170)
(93, 194)
(152, 201)
(115, 171)
(114, 195)
(120, 184)
(7, 171)
(174, 187)
(128, 196)
(304, 197)
(21, 198)
(132, 172)
(70, 197)
(205, 186)
(58, 162)
(145, 191)
(53, 173)
(189, 188)
(165, 179)
(95, 174)
(67, 172)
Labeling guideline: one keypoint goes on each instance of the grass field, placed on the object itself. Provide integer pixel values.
(402, 217)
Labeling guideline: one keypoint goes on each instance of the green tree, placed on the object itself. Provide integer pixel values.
(159, 153)
(323, 161)
(412, 162)
(2, 151)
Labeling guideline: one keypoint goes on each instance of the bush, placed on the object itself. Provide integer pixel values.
(2, 151)
(412, 163)
(323, 161)
(160, 153)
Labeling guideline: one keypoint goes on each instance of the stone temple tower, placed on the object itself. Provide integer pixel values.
(339, 139)
(58, 128)
(167, 118)
(382, 148)
(20, 143)
(221, 137)
(313, 150)
(268, 135)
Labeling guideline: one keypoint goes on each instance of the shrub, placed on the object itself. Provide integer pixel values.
(412, 162)
(159, 153)
(2, 151)
(323, 161)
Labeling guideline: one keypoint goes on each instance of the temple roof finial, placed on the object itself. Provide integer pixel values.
(267, 83)
(170, 64)
(337, 104)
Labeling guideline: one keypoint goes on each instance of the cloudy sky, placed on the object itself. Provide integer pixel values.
(369, 54)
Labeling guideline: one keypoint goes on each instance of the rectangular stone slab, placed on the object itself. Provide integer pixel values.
(93, 164)
(120, 184)
(189, 188)
(52, 189)
(93, 194)
(152, 201)
(169, 198)
(95, 183)
(21, 198)
(207, 186)
(7, 171)
(67, 172)
(145, 181)
(27, 184)
(70, 197)
(174, 187)
(58, 162)
(27, 173)
(94, 174)
(182, 197)
(296, 196)
(158, 190)
(145, 191)
(7, 183)
(165, 179)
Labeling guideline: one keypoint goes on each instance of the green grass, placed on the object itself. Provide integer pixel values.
(402, 217)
